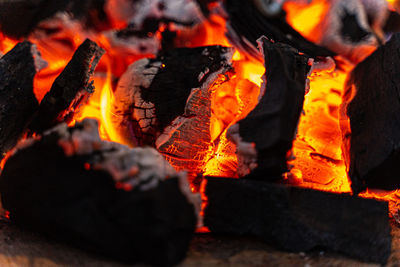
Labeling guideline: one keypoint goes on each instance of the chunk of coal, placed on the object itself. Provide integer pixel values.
(166, 103)
(17, 100)
(266, 135)
(154, 92)
(246, 24)
(19, 18)
(353, 28)
(299, 219)
(370, 120)
(147, 15)
(70, 89)
(101, 196)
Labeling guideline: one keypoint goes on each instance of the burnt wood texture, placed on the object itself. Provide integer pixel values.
(273, 122)
(179, 74)
(298, 219)
(371, 120)
(70, 89)
(56, 195)
(246, 24)
(154, 92)
(17, 100)
(19, 18)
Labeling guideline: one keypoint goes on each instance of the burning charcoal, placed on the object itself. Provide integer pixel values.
(346, 30)
(166, 102)
(144, 18)
(265, 136)
(153, 93)
(369, 122)
(17, 100)
(71, 88)
(247, 23)
(298, 219)
(147, 14)
(19, 18)
(125, 203)
(132, 42)
(271, 8)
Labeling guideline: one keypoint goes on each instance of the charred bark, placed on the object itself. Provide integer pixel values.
(298, 219)
(70, 193)
(246, 24)
(272, 125)
(371, 120)
(17, 100)
(70, 89)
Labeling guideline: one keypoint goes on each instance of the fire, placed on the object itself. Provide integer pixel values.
(318, 161)
(317, 148)
(306, 18)
(6, 43)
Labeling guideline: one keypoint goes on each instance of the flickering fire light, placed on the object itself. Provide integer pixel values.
(318, 161)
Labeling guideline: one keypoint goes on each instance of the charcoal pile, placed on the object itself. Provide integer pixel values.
(100, 196)
(125, 126)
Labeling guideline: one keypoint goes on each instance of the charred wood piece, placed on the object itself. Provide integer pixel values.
(166, 103)
(146, 15)
(70, 89)
(354, 28)
(370, 116)
(298, 219)
(100, 196)
(155, 92)
(246, 24)
(17, 100)
(19, 18)
(265, 136)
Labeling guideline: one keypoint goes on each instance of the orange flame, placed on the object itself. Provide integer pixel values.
(306, 18)
(318, 162)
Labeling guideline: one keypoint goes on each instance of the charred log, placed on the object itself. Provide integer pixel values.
(270, 127)
(370, 116)
(298, 219)
(246, 24)
(17, 100)
(100, 196)
(70, 89)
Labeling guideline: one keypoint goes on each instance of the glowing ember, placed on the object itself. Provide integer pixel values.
(317, 147)
(317, 162)
(306, 18)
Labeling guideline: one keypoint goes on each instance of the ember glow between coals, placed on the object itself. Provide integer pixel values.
(317, 162)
